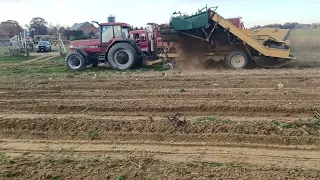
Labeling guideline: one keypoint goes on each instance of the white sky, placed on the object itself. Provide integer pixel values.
(140, 12)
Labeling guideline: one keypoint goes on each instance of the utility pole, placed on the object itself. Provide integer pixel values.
(25, 43)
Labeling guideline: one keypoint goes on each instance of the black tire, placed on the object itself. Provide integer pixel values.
(139, 62)
(128, 53)
(75, 61)
(238, 55)
(92, 63)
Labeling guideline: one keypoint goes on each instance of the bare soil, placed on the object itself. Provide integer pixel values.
(212, 124)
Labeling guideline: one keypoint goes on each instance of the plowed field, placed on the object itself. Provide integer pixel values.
(252, 124)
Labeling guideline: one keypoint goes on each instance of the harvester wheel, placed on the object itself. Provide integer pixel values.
(75, 61)
(237, 60)
(122, 56)
(169, 66)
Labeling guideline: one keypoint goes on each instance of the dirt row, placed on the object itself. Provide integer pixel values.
(145, 166)
(217, 94)
(194, 106)
(166, 129)
(71, 146)
(91, 83)
(186, 125)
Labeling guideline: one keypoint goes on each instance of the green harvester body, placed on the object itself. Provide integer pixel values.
(199, 20)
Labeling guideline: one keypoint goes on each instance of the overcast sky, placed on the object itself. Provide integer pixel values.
(140, 12)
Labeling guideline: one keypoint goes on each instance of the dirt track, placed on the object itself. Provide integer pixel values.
(257, 119)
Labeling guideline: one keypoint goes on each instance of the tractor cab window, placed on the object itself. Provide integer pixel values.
(136, 37)
(110, 32)
(106, 33)
(143, 37)
(117, 31)
(125, 32)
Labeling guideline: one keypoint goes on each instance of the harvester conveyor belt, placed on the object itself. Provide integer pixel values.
(251, 41)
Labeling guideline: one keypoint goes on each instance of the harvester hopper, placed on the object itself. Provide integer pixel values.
(209, 36)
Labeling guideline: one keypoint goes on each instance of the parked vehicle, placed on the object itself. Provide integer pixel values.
(43, 46)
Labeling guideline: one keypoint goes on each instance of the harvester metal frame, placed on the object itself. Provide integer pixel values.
(225, 40)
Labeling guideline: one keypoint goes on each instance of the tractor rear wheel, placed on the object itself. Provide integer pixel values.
(139, 62)
(237, 60)
(122, 56)
(75, 61)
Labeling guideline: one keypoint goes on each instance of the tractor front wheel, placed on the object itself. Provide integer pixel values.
(237, 60)
(75, 61)
(122, 56)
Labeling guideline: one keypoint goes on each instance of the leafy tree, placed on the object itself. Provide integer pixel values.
(91, 34)
(50, 26)
(55, 30)
(287, 25)
(39, 26)
(62, 29)
(12, 27)
(52, 29)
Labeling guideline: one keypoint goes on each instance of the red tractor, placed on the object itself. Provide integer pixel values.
(113, 47)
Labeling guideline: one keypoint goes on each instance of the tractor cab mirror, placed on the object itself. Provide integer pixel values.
(95, 22)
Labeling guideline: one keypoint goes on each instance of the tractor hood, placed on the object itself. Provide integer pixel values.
(85, 43)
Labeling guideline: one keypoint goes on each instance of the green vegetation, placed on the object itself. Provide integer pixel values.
(4, 50)
(29, 70)
(122, 177)
(55, 177)
(11, 59)
(312, 123)
(8, 174)
(213, 119)
(2, 156)
(212, 164)
(81, 166)
(94, 134)
(10, 66)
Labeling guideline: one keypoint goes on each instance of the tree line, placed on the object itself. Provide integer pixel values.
(290, 25)
(37, 26)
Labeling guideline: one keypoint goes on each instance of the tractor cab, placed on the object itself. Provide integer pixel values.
(108, 34)
(142, 38)
(112, 31)
(149, 40)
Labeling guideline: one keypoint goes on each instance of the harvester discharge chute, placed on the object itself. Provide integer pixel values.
(209, 36)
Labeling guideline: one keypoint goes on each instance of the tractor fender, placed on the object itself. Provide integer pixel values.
(82, 52)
